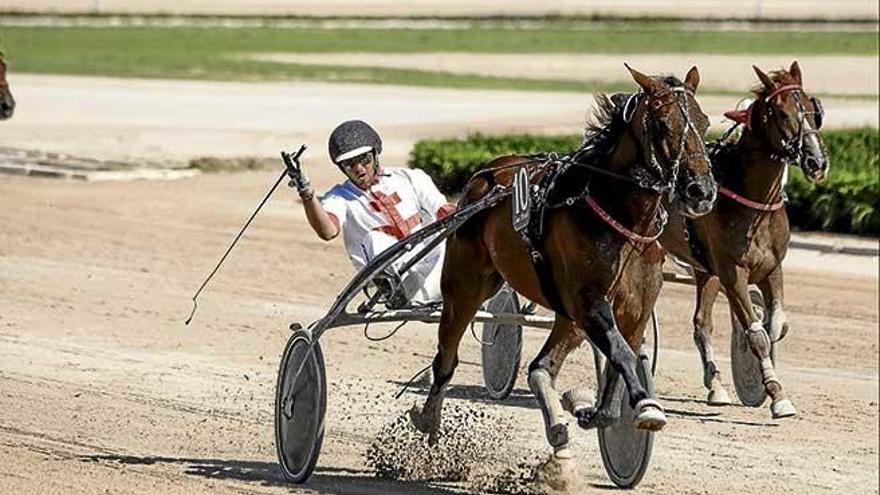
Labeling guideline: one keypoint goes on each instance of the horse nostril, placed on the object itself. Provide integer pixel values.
(697, 191)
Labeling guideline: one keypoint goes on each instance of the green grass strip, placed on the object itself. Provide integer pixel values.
(220, 53)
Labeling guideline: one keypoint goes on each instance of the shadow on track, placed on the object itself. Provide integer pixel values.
(325, 480)
(518, 397)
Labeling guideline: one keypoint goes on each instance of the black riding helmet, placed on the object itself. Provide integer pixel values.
(353, 138)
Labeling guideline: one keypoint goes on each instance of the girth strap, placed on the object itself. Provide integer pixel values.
(541, 263)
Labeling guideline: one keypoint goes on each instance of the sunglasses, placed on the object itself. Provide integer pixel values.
(350, 163)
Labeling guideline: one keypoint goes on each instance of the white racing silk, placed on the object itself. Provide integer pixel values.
(401, 202)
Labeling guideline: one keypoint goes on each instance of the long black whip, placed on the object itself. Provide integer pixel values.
(289, 161)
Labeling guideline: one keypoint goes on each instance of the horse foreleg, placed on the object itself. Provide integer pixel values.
(771, 289)
(543, 371)
(598, 322)
(735, 282)
(707, 291)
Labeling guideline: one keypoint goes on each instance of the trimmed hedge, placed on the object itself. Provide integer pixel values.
(849, 198)
(847, 201)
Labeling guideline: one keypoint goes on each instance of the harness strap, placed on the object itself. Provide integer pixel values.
(782, 89)
(629, 234)
(544, 270)
(534, 235)
(749, 203)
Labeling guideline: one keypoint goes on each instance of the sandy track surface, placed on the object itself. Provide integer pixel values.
(104, 389)
(728, 72)
(175, 120)
(819, 9)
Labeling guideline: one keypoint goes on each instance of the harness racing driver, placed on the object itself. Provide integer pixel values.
(373, 209)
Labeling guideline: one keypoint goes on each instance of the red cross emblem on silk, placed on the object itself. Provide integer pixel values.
(386, 205)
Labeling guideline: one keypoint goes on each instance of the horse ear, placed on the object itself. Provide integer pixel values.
(765, 79)
(692, 78)
(795, 71)
(647, 83)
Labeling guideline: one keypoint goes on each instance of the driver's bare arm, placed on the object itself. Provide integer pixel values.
(320, 221)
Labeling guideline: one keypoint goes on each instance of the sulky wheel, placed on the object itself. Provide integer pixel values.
(626, 451)
(745, 366)
(502, 346)
(300, 404)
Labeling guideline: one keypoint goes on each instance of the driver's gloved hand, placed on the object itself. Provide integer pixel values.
(299, 180)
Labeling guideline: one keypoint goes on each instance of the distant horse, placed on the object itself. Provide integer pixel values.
(7, 103)
(604, 268)
(745, 237)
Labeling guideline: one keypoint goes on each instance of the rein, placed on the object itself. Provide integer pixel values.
(629, 234)
(749, 203)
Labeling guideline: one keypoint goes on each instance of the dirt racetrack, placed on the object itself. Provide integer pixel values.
(104, 390)
(101, 117)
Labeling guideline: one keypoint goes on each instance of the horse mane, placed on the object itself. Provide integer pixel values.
(605, 126)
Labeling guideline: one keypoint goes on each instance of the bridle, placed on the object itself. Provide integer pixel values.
(793, 147)
(651, 175)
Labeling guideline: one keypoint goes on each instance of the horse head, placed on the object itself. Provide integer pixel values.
(7, 103)
(788, 120)
(670, 127)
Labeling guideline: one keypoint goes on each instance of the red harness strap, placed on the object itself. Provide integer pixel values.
(749, 203)
(629, 234)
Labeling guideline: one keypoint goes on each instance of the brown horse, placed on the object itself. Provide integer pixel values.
(745, 237)
(7, 103)
(604, 265)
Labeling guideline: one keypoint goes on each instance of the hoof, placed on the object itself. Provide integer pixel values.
(421, 421)
(782, 408)
(777, 332)
(563, 453)
(586, 417)
(718, 397)
(576, 400)
(650, 416)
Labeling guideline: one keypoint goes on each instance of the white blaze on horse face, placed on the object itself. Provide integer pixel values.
(811, 137)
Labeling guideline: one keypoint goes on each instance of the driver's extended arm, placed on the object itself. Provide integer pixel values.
(321, 222)
(326, 225)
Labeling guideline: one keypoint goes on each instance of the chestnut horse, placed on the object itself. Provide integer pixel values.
(7, 103)
(745, 237)
(604, 265)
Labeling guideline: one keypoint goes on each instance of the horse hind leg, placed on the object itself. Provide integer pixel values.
(464, 289)
(707, 291)
(543, 371)
(772, 290)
